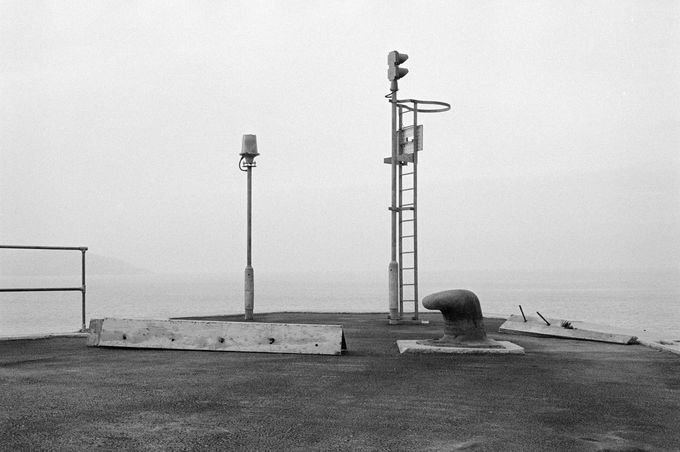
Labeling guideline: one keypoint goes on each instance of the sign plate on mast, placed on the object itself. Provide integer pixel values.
(406, 139)
(406, 144)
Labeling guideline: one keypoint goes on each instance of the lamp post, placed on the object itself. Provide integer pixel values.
(248, 153)
(394, 73)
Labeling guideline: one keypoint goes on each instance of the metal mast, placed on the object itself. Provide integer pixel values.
(406, 142)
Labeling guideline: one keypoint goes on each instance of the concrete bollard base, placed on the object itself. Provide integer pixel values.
(498, 348)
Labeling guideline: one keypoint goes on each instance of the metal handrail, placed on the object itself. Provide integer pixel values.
(443, 106)
(81, 289)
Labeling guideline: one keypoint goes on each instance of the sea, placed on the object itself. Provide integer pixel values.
(641, 301)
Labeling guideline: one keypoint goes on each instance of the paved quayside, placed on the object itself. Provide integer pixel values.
(562, 394)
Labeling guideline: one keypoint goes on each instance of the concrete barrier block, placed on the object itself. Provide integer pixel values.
(577, 330)
(217, 336)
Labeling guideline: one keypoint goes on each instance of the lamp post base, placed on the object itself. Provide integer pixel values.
(249, 292)
(393, 272)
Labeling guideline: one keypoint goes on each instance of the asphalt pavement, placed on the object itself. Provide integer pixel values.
(59, 394)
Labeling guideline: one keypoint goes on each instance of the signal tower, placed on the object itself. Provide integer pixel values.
(407, 141)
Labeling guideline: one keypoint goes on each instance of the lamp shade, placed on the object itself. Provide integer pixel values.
(249, 146)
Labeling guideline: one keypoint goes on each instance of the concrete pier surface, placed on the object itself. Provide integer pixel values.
(562, 394)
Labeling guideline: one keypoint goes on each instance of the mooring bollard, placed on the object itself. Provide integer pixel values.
(464, 330)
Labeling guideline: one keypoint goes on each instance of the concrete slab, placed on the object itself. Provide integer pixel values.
(416, 347)
(217, 336)
(590, 331)
(666, 345)
(41, 336)
(656, 341)
(535, 326)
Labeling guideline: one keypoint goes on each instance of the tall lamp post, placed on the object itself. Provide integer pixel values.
(394, 73)
(248, 153)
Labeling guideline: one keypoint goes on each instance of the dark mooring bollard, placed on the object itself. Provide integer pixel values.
(463, 316)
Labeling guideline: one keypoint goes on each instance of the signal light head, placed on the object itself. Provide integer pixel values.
(396, 73)
(394, 59)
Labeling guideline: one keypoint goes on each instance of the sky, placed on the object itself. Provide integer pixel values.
(121, 126)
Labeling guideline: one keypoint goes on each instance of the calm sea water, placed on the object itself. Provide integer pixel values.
(641, 301)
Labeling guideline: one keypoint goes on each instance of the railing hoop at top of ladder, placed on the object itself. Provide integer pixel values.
(443, 106)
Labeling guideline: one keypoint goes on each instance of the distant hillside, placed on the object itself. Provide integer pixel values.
(58, 263)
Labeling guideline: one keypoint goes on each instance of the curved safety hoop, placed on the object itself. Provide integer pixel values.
(442, 106)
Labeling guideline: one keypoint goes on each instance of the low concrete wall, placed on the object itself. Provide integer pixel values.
(217, 336)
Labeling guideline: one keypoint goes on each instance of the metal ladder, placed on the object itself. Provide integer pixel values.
(407, 141)
(410, 141)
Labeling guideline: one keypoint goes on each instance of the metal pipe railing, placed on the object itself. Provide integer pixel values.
(81, 289)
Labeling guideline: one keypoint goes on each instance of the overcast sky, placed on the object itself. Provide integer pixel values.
(121, 125)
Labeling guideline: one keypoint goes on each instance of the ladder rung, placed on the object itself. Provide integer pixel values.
(408, 284)
(406, 189)
(407, 220)
(407, 252)
(407, 236)
(407, 268)
(407, 204)
(406, 174)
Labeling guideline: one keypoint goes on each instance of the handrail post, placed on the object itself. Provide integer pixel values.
(83, 290)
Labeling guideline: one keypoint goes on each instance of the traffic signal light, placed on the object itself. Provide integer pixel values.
(394, 59)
